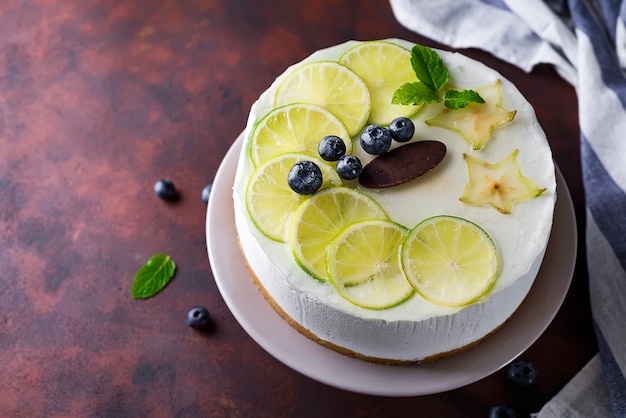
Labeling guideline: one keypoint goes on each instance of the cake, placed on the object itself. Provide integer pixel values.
(488, 172)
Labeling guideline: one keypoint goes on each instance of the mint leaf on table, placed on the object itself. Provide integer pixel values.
(153, 276)
(455, 99)
(433, 76)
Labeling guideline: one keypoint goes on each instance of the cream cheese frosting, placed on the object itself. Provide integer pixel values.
(417, 329)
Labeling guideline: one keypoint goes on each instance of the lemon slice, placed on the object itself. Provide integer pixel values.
(384, 67)
(270, 201)
(363, 264)
(450, 261)
(332, 86)
(294, 128)
(319, 219)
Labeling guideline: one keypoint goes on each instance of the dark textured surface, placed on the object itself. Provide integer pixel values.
(98, 100)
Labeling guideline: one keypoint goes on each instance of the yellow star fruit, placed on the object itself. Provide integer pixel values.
(476, 122)
(498, 185)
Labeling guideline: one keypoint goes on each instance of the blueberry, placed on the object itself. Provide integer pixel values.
(305, 177)
(206, 192)
(165, 189)
(502, 411)
(375, 139)
(199, 319)
(402, 129)
(331, 148)
(522, 373)
(349, 167)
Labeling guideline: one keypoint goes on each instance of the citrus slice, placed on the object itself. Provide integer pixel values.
(450, 261)
(294, 128)
(319, 219)
(332, 86)
(270, 201)
(363, 263)
(384, 67)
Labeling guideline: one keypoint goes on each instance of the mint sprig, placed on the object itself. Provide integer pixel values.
(455, 99)
(153, 276)
(433, 76)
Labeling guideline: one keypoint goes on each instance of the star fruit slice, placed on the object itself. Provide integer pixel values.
(498, 185)
(476, 122)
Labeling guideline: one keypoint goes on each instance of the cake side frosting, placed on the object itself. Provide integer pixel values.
(418, 329)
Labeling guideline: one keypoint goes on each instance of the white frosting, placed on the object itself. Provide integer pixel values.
(418, 329)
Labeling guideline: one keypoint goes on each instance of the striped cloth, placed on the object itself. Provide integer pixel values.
(585, 41)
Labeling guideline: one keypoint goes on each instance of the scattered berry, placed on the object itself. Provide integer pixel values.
(502, 411)
(199, 319)
(349, 167)
(206, 192)
(522, 373)
(402, 129)
(165, 189)
(305, 177)
(331, 148)
(375, 139)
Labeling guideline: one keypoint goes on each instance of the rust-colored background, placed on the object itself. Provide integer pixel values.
(101, 98)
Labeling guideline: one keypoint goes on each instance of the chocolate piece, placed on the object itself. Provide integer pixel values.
(402, 164)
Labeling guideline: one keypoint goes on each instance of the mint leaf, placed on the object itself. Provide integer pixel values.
(152, 277)
(432, 76)
(455, 99)
(429, 68)
(414, 94)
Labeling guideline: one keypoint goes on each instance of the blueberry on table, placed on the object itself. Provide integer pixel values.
(305, 177)
(206, 192)
(375, 139)
(331, 148)
(165, 190)
(502, 411)
(402, 129)
(199, 319)
(349, 167)
(522, 373)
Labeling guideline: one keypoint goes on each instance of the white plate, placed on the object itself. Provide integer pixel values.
(300, 353)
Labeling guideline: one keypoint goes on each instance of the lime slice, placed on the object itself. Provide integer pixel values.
(384, 67)
(294, 128)
(363, 264)
(329, 85)
(450, 261)
(319, 219)
(270, 201)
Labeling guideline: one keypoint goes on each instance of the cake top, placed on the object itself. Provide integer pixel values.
(464, 151)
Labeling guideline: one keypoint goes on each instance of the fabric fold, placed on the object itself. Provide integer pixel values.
(585, 41)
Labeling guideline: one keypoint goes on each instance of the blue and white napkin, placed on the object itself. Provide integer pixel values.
(585, 41)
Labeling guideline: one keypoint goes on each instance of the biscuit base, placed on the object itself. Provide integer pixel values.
(343, 350)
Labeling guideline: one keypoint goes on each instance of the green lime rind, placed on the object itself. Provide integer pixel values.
(366, 255)
(295, 127)
(330, 85)
(319, 219)
(427, 258)
(384, 67)
(271, 203)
